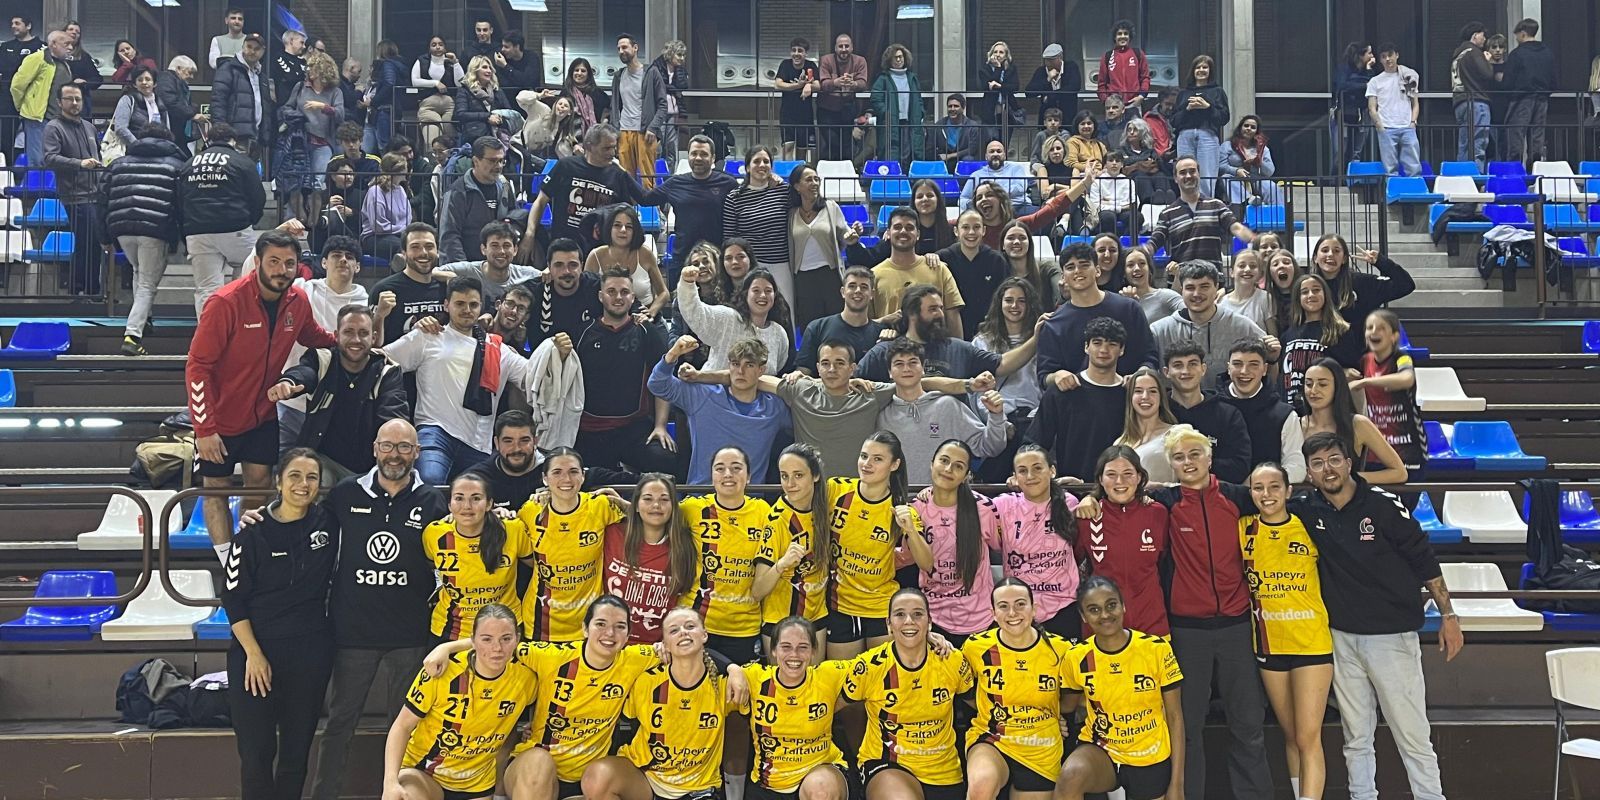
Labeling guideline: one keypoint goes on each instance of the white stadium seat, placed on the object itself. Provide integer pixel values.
(1439, 389)
(1461, 189)
(1486, 614)
(840, 181)
(1560, 191)
(121, 527)
(154, 616)
(1574, 681)
(1484, 517)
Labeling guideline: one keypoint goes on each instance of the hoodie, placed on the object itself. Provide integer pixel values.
(1231, 451)
(1275, 433)
(1373, 558)
(923, 424)
(1216, 336)
(1531, 70)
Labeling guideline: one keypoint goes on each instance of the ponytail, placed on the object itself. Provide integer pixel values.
(492, 540)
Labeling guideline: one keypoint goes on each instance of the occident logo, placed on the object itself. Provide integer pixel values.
(383, 547)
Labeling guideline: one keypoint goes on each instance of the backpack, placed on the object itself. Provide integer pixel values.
(164, 457)
(722, 141)
(1556, 565)
(154, 694)
(456, 164)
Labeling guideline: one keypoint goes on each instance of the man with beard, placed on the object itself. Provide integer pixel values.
(638, 109)
(905, 268)
(566, 299)
(461, 374)
(411, 293)
(852, 326)
(513, 471)
(696, 198)
(623, 425)
(923, 315)
(495, 271)
(1192, 229)
(252, 321)
(482, 195)
(510, 320)
(381, 591)
(351, 395)
(1012, 176)
(1061, 355)
(578, 185)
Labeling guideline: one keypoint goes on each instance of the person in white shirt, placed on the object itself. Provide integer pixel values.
(341, 257)
(459, 383)
(1392, 104)
(228, 45)
(1112, 197)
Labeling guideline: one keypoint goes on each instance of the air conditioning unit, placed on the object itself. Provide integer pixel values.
(737, 71)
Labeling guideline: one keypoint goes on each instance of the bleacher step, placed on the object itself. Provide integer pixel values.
(1454, 298)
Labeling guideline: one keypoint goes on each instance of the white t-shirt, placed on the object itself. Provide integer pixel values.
(443, 362)
(325, 305)
(1258, 309)
(1394, 91)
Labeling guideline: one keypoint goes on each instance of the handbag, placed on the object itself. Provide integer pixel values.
(111, 145)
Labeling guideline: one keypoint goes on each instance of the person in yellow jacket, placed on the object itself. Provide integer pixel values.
(33, 90)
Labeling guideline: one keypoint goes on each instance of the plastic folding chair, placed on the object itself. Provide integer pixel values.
(122, 525)
(1416, 351)
(8, 389)
(1502, 214)
(36, 183)
(1485, 517)
(36, 339)
(1580, 523)
(650, 219)
(1441, 455)
(1564, 218)
(840, 182)
(65, 623)
(1575, 253)
(856, 212)
(1270, 218)
(1574, 674)
(1461, 189)
(1492, 445)
(1428, 518)
(1487, 614)
(734, 166)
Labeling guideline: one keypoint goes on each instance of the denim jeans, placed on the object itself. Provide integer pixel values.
(1399, 149)
(376, 135)
(320, 154)
(33, 143)
(1200, 145)
(1472, 141)
(443, 456)
(1372, 672)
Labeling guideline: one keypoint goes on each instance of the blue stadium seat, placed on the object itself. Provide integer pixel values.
(1580, 523)
(1428, 518)
(65, 623)
(883, 218)
(1507, 168)
(1270, 218)
(1510, 190)
(1584, 167)
(856, 212)
(1427, 170)
(35, 339)
(8, 389)
(1557, 620)
(650, 219)
(734, 166)
(546, 218)
(57, 247)
(666, 257)
(662, 170)
(1466, 168)
(214, 627)
(889, 190)
(374, 262)
(549, 166)
(1437, 210)
(1417, 353)
(1575, 253)
(1564, 218)
(1411, 190)
(1364, 173)
(1441, 455)
(1499, 214)
(36, 183)
(939, 172)
(870, 241)
(47, 212)
(1239, 245)
(964, 169)
(1591, 336)
(783, 168)
(197, 534)
(1492, 445)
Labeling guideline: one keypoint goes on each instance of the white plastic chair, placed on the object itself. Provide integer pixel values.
(1439, 389)
(1558, 191)
(1484, 517)
(840, 181)
(1486, 614)
(1042, 249)
(10, 207)
(1151, 213)
(121, 527)
(154, 616)
(12, 243)
(1574, 681)
(1461, 189)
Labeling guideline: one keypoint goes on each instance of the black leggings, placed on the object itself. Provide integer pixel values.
(274, 732)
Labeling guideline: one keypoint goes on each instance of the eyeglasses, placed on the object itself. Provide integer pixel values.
(403, 448)
(1331, 462)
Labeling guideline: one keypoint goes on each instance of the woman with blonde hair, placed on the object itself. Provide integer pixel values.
(1145, 422)
(999, 109)
(321, 100)
(477, 99)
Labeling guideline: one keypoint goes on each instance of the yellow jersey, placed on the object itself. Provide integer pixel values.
(804, 591)
(792, 727)
(864, 539)
(1127, 716)
(1019, 698)
(567, 550)
(678, 744)
(575, 712)
(466, 719)
(910, 712)
(1280, 564)
(464, 584)
(728, 541)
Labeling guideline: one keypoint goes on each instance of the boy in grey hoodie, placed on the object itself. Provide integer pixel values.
(1202, 321)
(923, 420)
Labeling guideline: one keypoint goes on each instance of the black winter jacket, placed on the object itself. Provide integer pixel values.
(233, 98)
(381, 391)
(1207, 119)
(472, 116)
(142, 191)
(1230, 460)
(221, 192)
(173, 92)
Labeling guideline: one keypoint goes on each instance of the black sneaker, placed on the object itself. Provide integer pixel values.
(131, 346)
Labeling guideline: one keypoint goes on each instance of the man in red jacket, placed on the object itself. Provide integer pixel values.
(1209, 610)
(244, 337)
(1124, 70)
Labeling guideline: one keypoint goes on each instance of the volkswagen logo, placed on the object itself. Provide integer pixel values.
(383, 547)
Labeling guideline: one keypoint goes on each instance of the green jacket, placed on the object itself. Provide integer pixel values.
(30, 87)
(886, 105)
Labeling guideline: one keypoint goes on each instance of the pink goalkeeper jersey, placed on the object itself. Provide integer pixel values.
(952, 606)
(1033, 553)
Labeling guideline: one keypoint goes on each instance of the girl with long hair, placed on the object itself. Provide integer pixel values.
(791, 569)
(1198, 117)
(728, 527)
(1145, 421)
(474, 555)
(870, 516)
(127, 59)
(818, 233)
(758, 310)
(961, 527)
(567, 527)
(934, 232)
(386, 209)
(1011, 321)
(1355, 295)
(795, 753)
(477, 99)
(1036, 534)
(1247, 161)
(1016, 244)
(1315, 329)
(591, 102)
(1122, 535)
(758, 211)
(1158, 304)
(1326, 405)
(994, 204)
(567, 127)
(1282, 269)
(1108, 259)
(649, 557)
(1294, 646)
(623, 234)
(1246, 298)
(1015, 741)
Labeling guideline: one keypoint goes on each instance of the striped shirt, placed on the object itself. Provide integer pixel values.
(1194, 232)
(762, 217)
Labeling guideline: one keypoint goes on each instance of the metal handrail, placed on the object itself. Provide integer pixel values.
(166, 535)
(145, 526)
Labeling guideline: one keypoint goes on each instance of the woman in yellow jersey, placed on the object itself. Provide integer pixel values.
(1015, 742)
(1293, 644)
(567, 527)
(792, 567)
(681, 708)
(791, 719)
(474, 554)
(868, 519)
(1134, 730)
(445, 741)
(909, 750)
(728, 527)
